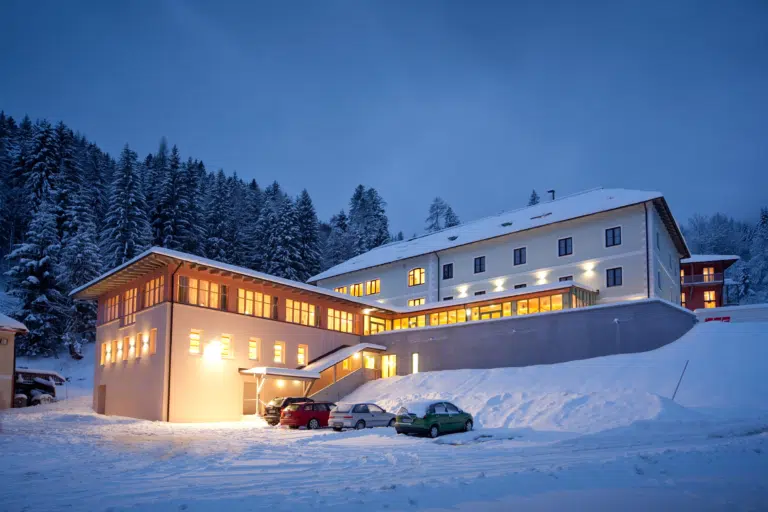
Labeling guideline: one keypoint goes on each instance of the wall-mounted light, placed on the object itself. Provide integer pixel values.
(296, 382)
(357, 355)
(212, 351)
(499, 285)
(542, 277)
(463, 291)
(368, 311)
(280, 383)
(469, 312)
(132, 344)
(589, 268)
(145, 339)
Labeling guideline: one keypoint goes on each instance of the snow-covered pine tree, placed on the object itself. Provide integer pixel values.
(217, 223)
(282, 251)
(192, 238)
(43, 164)
(173, 204)
(534, 199)
(126, 233)
(451, 219)
(232, 210)
(378, 225)
(436, 213)
(18, 206)
(153, 186)
(399, 237)
(7, 140)
(68, 179)
(337, 247)
(368, 223)
(253, 206)
(309, 243)
(33, 282)
(758, 262)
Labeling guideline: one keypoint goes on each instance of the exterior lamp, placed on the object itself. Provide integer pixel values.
(542, 277)
(212, 351)
(280, 383)
(463, 291)
(589, 268)
(499, 285)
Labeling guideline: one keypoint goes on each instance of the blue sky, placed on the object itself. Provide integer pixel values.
(478, 102)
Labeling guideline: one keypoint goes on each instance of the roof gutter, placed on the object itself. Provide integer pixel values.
(170, 345)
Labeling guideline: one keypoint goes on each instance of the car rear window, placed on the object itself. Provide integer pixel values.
(292, 407)
(361, 408)
(343, 407)
(276, 401)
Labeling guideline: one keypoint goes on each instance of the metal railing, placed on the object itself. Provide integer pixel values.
(702, 278)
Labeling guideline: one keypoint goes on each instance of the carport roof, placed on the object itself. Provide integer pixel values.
(272, 371)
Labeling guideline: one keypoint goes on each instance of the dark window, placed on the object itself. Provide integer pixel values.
(566, 278)
(565, 246)
(183, 289)
(448, 271)
(223, 301)
(448, 298)
(612, 237)
(481, 292)
(520, 256)
(479, 264)
(361, 408)
(613, 277)
(518, 286)
(452, 409)
(658, 278)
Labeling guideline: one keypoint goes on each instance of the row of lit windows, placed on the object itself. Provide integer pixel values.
(340, 320)
(254, 348)
(301, 313)
(199, 292)
(129, 348)
(153, 291)
(254, 303)
(152, 294)
(372, 287)
(416, 302)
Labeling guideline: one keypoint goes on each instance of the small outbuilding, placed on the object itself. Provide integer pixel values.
(9, 328)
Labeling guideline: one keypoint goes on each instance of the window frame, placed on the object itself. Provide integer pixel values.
(375, 284)
(341, 289)
(712, 301)
(356, 289)
(281, 344)
(565, 279)
(415, 272)
(418, 301)
(447, 266)
(621, 277)
(254, 345)
(613, 234)
(523, 252)
(306, 354)
(481, 261)
(568, 246)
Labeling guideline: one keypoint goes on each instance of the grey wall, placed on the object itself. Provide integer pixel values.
(544, 338)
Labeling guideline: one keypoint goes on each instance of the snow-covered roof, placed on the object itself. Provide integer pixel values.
(34, 371)
(9, 324)
(335, 358)
(704, 258)
(281, 372)
(530, 217)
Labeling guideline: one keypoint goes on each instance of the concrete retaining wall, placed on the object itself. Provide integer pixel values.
(747, 313)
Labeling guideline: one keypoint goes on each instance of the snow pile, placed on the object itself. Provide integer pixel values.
(726, 363)
(79, 372)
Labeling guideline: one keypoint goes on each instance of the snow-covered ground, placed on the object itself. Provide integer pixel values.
(587, 435)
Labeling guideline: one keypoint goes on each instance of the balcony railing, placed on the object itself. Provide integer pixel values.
(702, 279)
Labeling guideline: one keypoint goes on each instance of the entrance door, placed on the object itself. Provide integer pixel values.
(250, 398)
(388, 366)
(101, 399)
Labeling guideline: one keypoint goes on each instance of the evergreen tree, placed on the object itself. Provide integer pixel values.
(534, 199)
(451, 219)
(68, 179)
(127, 231)
(43, 165)
(192, 238)
(282, 248)
(436, 214)
(156, 177)
(172, 210)
(368, 223)
(235, 230)
(33, 283)
(253, 206)
(758, 262)
(217, 223)
(18, 206)
(337, 247)
(309, 243)
(399, 237)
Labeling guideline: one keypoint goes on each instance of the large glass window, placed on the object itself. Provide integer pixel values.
(565, 246)
(279, 356)
(253, 349)
(373, 286)
(300, 313)
(614, 277)
(153, 291)
(302, 355)
(112, 309)
(356, 290)
(416, 277)
(709, 274)
(612, 237)
(520, 256)
(341, 289)
(129, 305)
(200, 292)
(709, 299)
(373, 325)
(340, 320)
(254, 303)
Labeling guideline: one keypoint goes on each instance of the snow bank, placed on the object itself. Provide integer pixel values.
(725, 374)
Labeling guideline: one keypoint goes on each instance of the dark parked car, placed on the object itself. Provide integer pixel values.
(432, 419)
(276, 405)
(311, 415)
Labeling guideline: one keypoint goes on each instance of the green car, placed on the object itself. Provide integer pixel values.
(432, 419)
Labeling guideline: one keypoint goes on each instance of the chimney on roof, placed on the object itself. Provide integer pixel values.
(552, 193)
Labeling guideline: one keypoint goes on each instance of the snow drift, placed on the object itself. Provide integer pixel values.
(725, 375)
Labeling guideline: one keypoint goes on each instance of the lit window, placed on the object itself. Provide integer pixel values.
(279, 352)
(520, 256)
(253, 349)
(194, 341)
(369, 362)
(565, 246)
(507, 309)
(254, 303)
(300, 312)
(373, 325)
(416, 302)
(373, 286)
(106, 352)
(202, 293)
(415, 362)
(301, 356)
(340, 321)
(682, 276)
(613, 277)
(153, 291)
(341, 289)
(682, 299)
(129, 306)
(522, 307)
(356, 290)
(557, 302)
(709, 274)
(416, 276)
(113, 358)
(612, 237)
(345, 364)
(709, 299)
(479, 264)
(152, 341)
(112, 309)
(226, 345)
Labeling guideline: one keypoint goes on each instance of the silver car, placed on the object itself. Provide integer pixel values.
(359, 416)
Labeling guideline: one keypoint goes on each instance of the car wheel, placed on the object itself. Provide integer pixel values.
(400, 432)
(360, 425)
(313, 424)
(293, 427)
(337, 429)
(434, 431)
(468, 426)
(391, 422)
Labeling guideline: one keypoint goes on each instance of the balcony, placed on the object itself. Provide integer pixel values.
(702, 279)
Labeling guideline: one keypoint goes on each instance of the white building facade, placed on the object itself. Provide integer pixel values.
(623, 243)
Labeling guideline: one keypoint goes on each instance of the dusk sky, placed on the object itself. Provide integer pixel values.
(477, 102)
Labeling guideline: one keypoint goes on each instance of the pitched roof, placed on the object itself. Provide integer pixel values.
(522, 219)
(9, 324)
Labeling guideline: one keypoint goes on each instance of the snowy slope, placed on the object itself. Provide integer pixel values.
(725, 375)
(79, 373)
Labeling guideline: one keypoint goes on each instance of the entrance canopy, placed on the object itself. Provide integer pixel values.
(287, 373)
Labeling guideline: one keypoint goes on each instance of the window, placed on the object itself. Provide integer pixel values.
(416, 302)
(130, 306)
(113, 352)
(613, 277)
(454, 316)
(152, 341)
(520, 256)
(409, 323)
(340, 320)
(112, 309)
(226, 345)
(682, 299)
(106, 352)
(481, 292)
(415, 362)
(199, 292)
(448, 271)
(448, 298)
(682, 276)
(153, 291)
(452, 409)
(479, 264)
(373, 325)
(253, 349)
(356, 290)
(279, 352)
(369, 362)
(709, 274)
(373, 286)
(565, 246)
(416, 277)
(254, 303)
(132, 347)
(341, 289)
(518, 286)
(301, 355)
(194, 341)
(566, 278)
(300, 313)
(709, 299)
(612, 237)
(361, 408)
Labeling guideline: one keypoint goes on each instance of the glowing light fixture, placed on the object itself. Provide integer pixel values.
(280, 383)
(499, 285)
(542, 277)
(463, 291)
(145, 339)
(589, 268)
(469, 312)
(357, 355)
(212, 351)
(368, 311)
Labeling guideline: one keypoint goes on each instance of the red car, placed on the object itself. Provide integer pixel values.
(311, 415)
